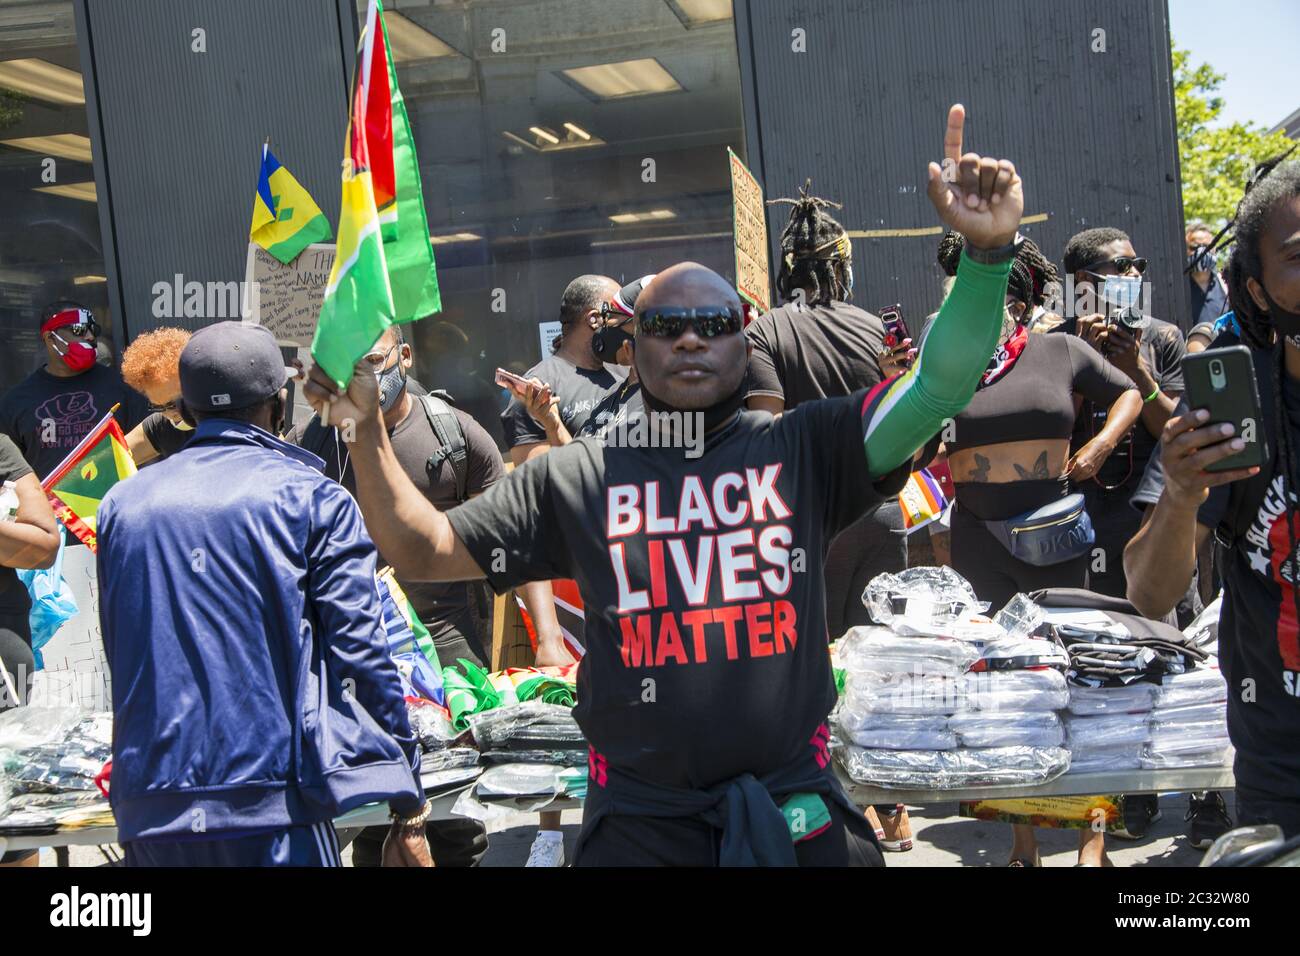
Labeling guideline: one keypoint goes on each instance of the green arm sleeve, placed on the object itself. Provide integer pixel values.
(901, 415)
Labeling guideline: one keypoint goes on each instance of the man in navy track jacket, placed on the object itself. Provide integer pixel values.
(253, 696)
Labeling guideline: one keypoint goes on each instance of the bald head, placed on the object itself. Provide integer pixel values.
(689, 372)
(687, 285)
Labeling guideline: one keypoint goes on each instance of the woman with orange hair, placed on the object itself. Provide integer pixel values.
(151, 366)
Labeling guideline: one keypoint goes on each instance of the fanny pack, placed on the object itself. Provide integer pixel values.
(1049, 535)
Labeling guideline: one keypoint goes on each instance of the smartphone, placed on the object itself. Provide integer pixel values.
(895, 327)
(507, 379)
(1222, 381)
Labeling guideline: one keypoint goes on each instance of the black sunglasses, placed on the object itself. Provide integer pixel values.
(162, 409)
(668, 323)
(1121, 263)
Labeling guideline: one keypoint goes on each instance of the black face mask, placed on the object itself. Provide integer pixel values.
(1285, 321)
(1200, 260)
(607, 340)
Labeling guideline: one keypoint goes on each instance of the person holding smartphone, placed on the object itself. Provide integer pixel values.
(1185, 498)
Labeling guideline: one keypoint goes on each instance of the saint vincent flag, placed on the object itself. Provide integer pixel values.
(285, 218)
(395, 178)
(79, 484)
(358, 303)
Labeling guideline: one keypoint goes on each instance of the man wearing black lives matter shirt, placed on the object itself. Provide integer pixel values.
(1252, 512)
(49, 412)
(706, 685)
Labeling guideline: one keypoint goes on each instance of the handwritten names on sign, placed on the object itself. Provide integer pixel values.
(287, 298)
(753, 280)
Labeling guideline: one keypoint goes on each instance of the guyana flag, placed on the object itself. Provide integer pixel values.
(77, 486)
(383, 267)
(358, 303)
(395, 175)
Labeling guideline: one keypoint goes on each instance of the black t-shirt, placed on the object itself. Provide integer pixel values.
(165, 437)
(1035, 398)
(47, 416)
(578, 389)
(414, 443)
(702, 581)
(14, 601)
(1259, 639)
(621, 403)
(810, 352)
(1162, 347)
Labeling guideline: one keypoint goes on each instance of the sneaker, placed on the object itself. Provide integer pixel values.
(1140, 811)
(547, 849)
(897, 830)
(1208, 819)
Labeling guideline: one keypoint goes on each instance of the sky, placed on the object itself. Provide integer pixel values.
(1254, 42)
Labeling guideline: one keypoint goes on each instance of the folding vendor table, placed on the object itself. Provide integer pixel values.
(1070, 784)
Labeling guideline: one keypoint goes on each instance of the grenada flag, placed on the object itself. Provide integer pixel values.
(79, 484)
(358, 303)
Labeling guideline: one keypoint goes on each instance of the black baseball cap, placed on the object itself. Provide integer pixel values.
(231, 365)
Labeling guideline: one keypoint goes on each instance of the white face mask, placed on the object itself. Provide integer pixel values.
(1120, 292)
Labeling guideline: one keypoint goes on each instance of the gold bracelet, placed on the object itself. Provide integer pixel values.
(415, 821)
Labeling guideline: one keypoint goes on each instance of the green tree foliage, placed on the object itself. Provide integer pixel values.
(1215, 159)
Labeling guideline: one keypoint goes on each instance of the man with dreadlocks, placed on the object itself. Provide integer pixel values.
(1259, 628)
(818, 346)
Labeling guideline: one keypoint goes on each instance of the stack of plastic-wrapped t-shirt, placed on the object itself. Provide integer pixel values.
(1141, 693)
(1189, 721)
(1107, 726)
(50, 758)
(941, 697)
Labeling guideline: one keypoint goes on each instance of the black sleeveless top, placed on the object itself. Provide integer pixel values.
(1035, 400)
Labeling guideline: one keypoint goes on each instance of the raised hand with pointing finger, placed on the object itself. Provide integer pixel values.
(977, 196)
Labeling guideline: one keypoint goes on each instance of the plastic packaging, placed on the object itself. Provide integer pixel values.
(1104, 759)
(1016, 690)
(953, 769)
(8, 502)
(556, 758)
(1174, 717)
(878, 650)
(920, 597)
(531, 725)
(1008, 729)
(1129, 698)
(1019, 617)
(1203, 685)
(1019, 653)
(23, 727)
(453, 758)
(430, 725)
(1204, 630)
(1213, 754)
(896, 731)
(1106, 730)
(1188, 737)
(904, 694)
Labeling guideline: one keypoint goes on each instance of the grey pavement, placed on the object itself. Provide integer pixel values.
(941, 838)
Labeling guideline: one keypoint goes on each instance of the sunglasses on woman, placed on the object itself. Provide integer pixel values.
(1122, 264)
(709, 323)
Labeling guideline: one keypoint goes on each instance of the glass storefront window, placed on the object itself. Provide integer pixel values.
(556, 138)
(50, 246)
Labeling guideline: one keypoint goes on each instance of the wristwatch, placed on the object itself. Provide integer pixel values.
(416, 821)
(993, 257)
